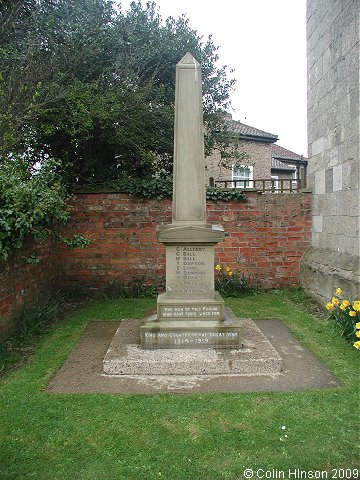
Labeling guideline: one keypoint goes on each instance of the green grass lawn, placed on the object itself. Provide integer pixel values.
(214, 436)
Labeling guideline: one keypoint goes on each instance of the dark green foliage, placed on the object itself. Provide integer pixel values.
(94, 86)
(222, 195)
(156, 187)
(153, 187)
(32, 204)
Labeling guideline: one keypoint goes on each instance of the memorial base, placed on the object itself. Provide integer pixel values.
(171, 309)
(184, 334)
(125, 358)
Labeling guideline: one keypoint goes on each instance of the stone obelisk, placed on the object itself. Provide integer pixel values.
(190, 313)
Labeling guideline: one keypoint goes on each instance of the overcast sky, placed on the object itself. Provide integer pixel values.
(264, 41)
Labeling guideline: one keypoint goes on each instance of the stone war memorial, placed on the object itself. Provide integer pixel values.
(190, 315)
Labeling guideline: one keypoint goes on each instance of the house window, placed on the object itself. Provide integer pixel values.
(294, 177)
(243, 176)
(274, 183)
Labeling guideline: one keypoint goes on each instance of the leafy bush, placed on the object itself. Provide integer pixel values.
(32, 203)
(345, 316)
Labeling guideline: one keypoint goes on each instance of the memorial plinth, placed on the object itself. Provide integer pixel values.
(190, 313)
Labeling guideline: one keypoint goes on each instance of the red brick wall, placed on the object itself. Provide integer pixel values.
(268, 235)
(22, 283)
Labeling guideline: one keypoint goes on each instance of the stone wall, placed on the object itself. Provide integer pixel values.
(333, 136)
(259, 157)
(25, 284)
(268, 235)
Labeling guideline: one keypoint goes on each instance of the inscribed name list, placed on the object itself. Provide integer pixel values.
(190, 271)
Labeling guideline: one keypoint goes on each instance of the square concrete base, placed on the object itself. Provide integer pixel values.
(255, 357)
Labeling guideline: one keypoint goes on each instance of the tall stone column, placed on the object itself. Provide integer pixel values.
(189, 196)
(190, 313)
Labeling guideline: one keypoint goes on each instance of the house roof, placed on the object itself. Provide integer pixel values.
(284, 159)
(278, 152)
(281, 158)
(251, 133)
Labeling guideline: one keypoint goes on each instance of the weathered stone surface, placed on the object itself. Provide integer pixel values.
(189, 198)
(323, 270)
(190, 271)
(333, 135)
(255, 357)
(190, 314)
(185, 308)
(203, 330)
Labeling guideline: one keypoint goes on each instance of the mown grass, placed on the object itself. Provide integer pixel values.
(213, 436)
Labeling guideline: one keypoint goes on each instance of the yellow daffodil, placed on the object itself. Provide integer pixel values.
(352, 313)
(357, 344)
(356, 305)
(335, 301)
(329, 306)
(357, 334)
(344, 305)
(230, 273)
(228, 269)
(357, 325)
(338, 291)
(218, 267)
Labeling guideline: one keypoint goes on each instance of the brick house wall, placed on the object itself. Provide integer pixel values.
(259, 157)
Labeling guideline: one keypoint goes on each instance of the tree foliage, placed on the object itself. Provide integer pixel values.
(33, 203)
(92, 85)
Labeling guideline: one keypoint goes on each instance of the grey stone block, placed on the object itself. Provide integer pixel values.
(256, 357)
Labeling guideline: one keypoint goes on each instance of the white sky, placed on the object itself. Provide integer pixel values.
(264, 41)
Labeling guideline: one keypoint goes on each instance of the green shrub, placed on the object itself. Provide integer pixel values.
(33, 203)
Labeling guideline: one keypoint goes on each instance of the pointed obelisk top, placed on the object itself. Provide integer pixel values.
(188, 59)
(189, 199)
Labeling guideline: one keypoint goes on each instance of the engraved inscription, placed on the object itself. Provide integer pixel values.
(189, 271)
(193, 338)
(191, 311)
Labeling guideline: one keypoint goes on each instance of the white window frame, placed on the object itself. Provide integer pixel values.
(275, 183)
(294, 177)
(242, 181)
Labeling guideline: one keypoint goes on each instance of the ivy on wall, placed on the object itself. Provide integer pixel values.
(156, 187)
